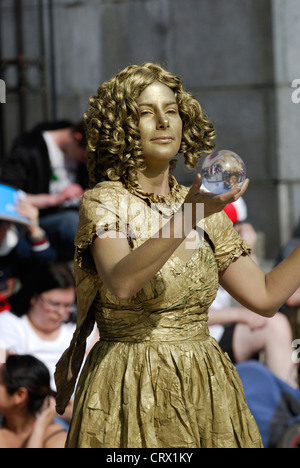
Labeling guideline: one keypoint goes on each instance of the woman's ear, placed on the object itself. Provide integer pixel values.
(20, 397)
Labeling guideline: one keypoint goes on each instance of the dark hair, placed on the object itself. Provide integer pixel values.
(39, 278)
(28, 372)
(52, 125)
(80, 127)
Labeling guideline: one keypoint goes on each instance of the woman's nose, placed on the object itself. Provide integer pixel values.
(163, 122)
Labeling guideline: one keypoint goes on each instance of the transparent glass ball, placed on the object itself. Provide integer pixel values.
(222, 170)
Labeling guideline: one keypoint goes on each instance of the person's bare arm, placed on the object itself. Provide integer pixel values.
(49, 200)
(260, 292)
(235, 314)
(125, 272)
(45, 434)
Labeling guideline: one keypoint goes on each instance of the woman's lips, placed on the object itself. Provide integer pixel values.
(163, 139)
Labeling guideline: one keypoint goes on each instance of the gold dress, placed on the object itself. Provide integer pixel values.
(156, 378)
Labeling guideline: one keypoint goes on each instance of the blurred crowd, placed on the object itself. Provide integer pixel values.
(47, 167)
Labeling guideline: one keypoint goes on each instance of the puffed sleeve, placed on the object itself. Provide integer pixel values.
(101, 212)
(227, 243)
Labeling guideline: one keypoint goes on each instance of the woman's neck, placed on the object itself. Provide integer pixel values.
(18, 422)
(152, 182)
(16, 430)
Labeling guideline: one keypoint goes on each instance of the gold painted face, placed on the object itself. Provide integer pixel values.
(160, 124)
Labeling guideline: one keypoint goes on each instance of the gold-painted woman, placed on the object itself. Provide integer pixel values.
(150, 255)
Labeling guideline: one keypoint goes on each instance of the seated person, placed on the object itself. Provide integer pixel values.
(274, 405)
(291, 308)
(49, 165)
(242, 333)
(39, 322)
(26, 408)
(19, 245)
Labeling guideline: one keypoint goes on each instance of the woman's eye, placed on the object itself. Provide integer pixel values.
(145, 112)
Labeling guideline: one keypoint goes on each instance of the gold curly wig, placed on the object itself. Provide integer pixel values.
(113, 138)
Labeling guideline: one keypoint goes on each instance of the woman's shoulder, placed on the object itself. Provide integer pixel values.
(104, 188)
(14, 332)
(9, 317)
(55, 436)
(105, 196)
(107, 193)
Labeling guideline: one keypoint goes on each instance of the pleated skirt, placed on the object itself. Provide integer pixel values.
(161, 395)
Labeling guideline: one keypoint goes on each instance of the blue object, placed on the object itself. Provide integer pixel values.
(274, 404)
(8, 198)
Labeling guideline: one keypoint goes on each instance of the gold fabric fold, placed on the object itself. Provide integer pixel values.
(161, 395)
(156, 378)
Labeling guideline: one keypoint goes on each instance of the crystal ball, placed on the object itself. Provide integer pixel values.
(222, 170)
